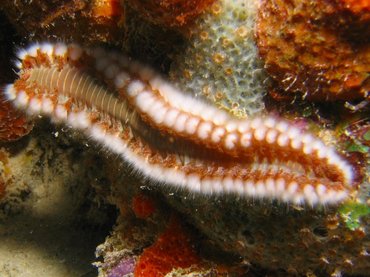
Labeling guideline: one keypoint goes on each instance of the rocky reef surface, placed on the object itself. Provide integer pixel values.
(64, 199)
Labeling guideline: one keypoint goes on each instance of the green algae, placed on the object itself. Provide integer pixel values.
(358, 147)
(352, 212)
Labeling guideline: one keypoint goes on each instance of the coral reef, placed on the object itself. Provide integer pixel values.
(55, 183)
(220, 60)
(170, 13)
(304, 54)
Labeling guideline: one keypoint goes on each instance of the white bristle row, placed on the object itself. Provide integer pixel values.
(10, 92)
(269, 129)
(268, 189)
(287, 191)
(53, 51)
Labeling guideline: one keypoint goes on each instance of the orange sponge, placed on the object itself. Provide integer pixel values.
(173, 249)
(170, 13)
(13, 124)
(143, 206)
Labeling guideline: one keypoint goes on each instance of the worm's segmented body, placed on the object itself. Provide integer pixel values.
(177, 140)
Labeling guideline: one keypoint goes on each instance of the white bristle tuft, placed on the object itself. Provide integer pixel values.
(32, 50)
(47, 48)
(61, 112)
(22, 98)
(35, 105)
(231, 140)
(60, 49)
(204, 129)
(171, 117)
(10, 92)
(18, 64)
(21, 53)
(47, 105)
(217, 134)
(135, 87)
(191, 125)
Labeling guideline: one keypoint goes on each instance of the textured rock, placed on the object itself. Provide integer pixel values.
(307, 50)
(296, 239)
(170, 13)
(50, 223)
(81, 21)
(13, 123)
